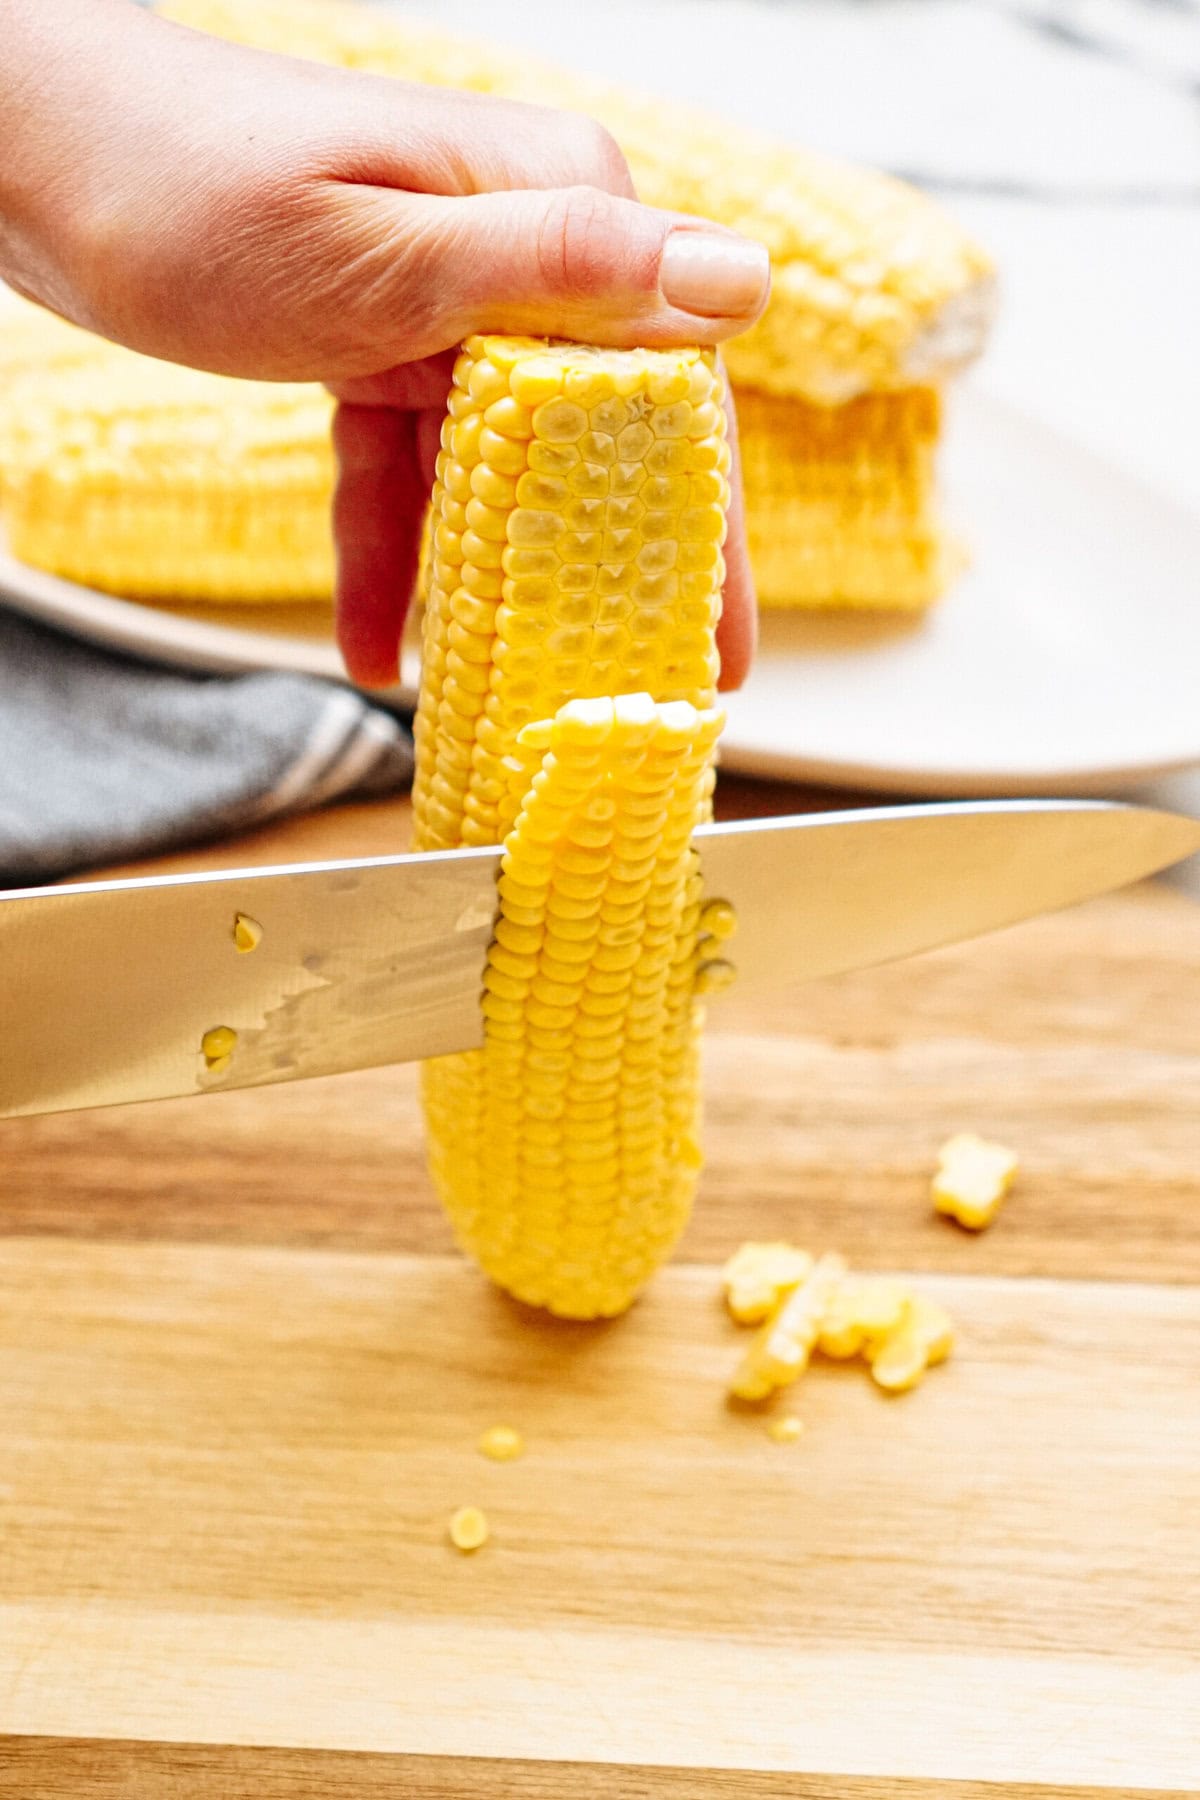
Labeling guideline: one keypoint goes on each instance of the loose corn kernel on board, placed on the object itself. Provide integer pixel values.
(243, 1381)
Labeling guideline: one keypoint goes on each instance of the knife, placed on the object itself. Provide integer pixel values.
(110, 986)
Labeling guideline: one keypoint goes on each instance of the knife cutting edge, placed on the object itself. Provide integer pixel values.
(110, 986)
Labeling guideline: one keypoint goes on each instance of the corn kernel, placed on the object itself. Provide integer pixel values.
(719, 919)
(861, 1312)
(923, 1337)
(758, 1276)
(972, 1180)
(500, 1443)
(786, 1429)
(217, 1045)
(715, 976)
(469, 1529)
(247, 932)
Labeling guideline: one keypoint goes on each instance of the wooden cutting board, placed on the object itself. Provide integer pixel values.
(242, 1376)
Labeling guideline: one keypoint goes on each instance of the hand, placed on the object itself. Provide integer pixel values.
(265, 217)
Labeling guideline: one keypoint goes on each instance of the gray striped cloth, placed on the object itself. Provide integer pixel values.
(103, 759)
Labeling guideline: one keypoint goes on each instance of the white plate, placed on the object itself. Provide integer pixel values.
(1067, 658)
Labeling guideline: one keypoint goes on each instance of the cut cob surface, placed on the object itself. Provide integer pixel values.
(840, 500)
(567, 711)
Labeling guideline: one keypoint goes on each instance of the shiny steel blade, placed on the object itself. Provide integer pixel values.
(108, 987)
(847, 890)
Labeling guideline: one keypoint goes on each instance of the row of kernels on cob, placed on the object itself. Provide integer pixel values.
(841, 507)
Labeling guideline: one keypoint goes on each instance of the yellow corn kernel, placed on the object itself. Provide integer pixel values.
(972, 1179)
(924, 1336)
(781, 1347)
(716, 976)
(500, 1443)
(217, 1046)
(786, 1429)
(247, 933)
(718, 919)
(469, 1529)
(862, 1310)
(758, 1275)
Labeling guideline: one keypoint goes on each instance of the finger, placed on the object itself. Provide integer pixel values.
(411, 387)
(378, 507)
(737, 633)
(565, 262)
(429, 442)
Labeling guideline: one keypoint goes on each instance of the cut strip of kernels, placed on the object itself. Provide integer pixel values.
(924, 1336)
(972, 1179)
(247, 933)
(641, 1142)
(469, 1529)
(501, 1443)
(781, 1348)
(862, 1310)
(758, 1275)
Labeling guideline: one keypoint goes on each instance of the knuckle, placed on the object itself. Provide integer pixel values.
(600, 155)
(574, 239)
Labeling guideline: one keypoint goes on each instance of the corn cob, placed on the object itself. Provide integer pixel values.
(874, 286)
(840, 500)
(145, 480)
(142, 478)
(566, 710)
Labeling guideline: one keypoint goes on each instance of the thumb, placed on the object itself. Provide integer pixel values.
(563, 262)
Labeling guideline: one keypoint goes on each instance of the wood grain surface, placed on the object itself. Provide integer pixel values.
(242, 1375)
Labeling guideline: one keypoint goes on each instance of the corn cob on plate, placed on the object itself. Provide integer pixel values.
(878, 297)
(1036, 673)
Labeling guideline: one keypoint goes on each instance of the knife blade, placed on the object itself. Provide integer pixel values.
(109, 986)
